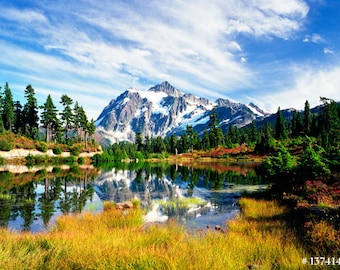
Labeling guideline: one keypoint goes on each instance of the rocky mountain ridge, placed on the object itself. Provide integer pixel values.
(163, 110)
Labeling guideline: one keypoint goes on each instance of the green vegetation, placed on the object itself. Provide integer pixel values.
(72, 127)
(116, 239)
(323, 128)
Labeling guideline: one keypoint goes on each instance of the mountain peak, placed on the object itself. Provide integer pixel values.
(166, 87)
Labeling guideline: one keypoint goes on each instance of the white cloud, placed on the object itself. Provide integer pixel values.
(314, 38)
(104, 48)
(310, 84)
(328, 51)
(22, 16)
(266, 18)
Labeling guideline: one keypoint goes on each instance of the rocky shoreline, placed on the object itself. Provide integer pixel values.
(21, 153)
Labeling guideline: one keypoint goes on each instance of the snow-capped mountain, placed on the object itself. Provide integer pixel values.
(163, 110)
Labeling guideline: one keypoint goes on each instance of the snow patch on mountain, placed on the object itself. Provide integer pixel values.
(254, 110)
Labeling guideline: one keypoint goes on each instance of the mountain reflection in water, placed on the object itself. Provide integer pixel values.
(193, 196)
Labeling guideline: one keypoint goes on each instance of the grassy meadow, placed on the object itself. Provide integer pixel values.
(114, 239)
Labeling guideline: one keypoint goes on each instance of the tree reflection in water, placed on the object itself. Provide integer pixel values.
(31, 201)
(28, 201)
(154, 183)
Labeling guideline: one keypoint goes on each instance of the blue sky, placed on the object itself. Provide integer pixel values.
(270, 52)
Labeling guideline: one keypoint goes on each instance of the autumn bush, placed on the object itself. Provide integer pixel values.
(322, 237)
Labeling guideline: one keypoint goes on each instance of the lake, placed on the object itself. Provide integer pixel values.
(196, 195)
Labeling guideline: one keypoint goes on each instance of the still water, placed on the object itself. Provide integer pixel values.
(197, 196)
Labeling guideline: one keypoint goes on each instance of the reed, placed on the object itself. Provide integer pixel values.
(118, 240)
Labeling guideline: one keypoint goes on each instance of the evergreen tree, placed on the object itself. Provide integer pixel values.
(91, 128)
(184, 143)
(8, 108)
(311, 161)
(233, 134)
(77, 115)
(173, 144)
(297, 124)
(80, 123)
(253, 133)
(330, 121)
(205, 140)
(192, 137)
(30, 113)
(216, 137)
(147, 144)
(83, 125)
(158, 145)
(280, 130)
(49, 118)
(66, 114)
(18, 118)
(139, 141)
(266, 141)
(280, 166)
(307, 119)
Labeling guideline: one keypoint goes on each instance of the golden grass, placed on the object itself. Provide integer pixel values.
(118, 240)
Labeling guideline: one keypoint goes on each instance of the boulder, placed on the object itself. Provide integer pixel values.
(124, 205)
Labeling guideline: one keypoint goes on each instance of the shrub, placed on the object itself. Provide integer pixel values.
(81, 160)
(323, 237)
(75, 150)
(6, 146)
(136, 203)
(42, 147)
(57, 150)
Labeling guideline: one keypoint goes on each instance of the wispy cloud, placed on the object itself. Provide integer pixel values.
(314, 38)
(309, 84)
(328, 51)
(97, 50)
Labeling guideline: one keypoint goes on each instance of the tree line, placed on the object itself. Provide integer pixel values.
(324, 126)
(67, 126)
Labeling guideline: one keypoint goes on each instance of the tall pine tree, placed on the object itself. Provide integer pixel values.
(49, 118)
(8, 108)
(307, 119)
(297, 124)
(280, 129)
(66, 114)
(18, 118)
(216, 137)
(330, 122)
(30, 113)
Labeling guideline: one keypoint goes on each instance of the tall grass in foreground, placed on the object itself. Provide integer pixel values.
(118, 240)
